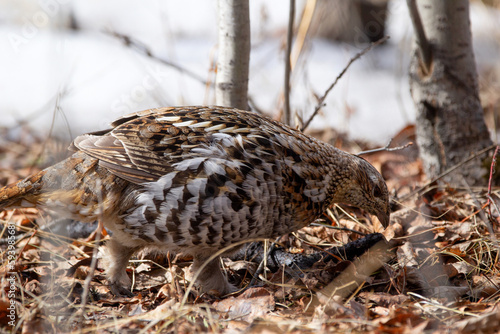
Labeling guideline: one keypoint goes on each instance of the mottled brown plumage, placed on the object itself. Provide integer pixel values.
(198, 179)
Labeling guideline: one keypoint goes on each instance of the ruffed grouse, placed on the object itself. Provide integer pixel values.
(195, 180)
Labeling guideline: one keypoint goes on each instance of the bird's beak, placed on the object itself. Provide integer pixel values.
(384, 218)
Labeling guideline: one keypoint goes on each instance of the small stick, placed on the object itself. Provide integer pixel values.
(492, 169)
(352, 60)
(386, 148)
(488, 195)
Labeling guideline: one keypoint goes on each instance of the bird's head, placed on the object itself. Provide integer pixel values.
(366, 189)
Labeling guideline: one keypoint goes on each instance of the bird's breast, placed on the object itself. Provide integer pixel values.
(216, 210)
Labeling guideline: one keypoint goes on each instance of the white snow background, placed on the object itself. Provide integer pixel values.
(79, 81)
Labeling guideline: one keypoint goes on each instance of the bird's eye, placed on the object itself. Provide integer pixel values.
(377, 192)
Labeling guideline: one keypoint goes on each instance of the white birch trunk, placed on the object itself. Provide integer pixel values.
(234, 54)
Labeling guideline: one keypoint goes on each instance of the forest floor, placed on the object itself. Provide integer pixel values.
(440, 274)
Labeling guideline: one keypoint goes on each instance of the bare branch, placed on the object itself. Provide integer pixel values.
(352, 60)
(142, 48)
(386, 148)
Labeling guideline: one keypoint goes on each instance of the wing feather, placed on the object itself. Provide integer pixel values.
(143, 146)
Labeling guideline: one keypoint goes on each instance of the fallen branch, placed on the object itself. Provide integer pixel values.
(387, 148)
(352, 60)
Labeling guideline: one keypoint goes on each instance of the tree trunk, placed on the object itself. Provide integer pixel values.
(234, 54)
(444, 87)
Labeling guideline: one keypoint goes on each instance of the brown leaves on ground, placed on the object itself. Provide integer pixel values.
(441, 272)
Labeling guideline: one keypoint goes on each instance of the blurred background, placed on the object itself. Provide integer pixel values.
(69, 67)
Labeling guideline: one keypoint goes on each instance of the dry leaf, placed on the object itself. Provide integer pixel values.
(253, 303)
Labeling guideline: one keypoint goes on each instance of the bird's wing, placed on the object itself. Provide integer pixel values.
(144, 146)
(113, 155)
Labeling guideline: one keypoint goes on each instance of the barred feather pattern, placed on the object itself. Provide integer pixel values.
(198, 179)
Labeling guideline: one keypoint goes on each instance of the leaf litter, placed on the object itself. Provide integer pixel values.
(441, 272)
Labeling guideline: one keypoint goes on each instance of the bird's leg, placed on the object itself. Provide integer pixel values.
(211, 276)
(99, 230)
(116, 260)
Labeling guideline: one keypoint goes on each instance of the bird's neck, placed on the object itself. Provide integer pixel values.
(325, 176)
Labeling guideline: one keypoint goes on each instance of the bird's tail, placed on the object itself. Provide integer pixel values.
(23, 193)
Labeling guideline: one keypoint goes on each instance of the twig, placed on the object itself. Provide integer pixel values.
(492, 169)
(352, 60)
(287, 117)
(57, 108)
(386, 148)
(142, 48)
(446, 172)
(488, 195)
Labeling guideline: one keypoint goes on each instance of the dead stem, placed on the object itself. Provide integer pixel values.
(352, 60)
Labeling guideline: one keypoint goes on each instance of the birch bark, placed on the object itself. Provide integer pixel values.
(444, 87)
(234, 54)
